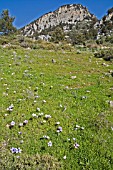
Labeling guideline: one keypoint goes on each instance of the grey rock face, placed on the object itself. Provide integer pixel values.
(67, 15)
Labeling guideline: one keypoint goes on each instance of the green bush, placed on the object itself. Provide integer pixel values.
(57, 35)
(109, 39)
(105, 54)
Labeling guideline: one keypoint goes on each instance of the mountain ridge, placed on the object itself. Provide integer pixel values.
(59, 15)
(68, 17)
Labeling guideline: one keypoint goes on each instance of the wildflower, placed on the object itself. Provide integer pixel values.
(44, 101)
(111, 103)
(46, 137)
(40, 114)
(10, 108)
(36, 97)
(21, 141)
(57, 123)
(25, 122)
(34, 115)
(68, 139)
(7, 125)
(12, 74)
(5, 94)
(12, 123)
(19, 150)
(6, 115)
(64, 157)
(38, 109)
(50, 143)
(77, 127)
(25, 71)
(15, 150)
(7, 88)
(4, 84)
(47, 116)
(19, 133)
(60, 105)
(83, 97)
(20, 124)
(19, 100)
(18, 157)
(42, 122)
(43, 84)
(51, 87)
(73, 77)
(76, 145)
(59, 129)
(14, 92)
(74, 139)
(82, 128)
(66, 87)
(88, 91)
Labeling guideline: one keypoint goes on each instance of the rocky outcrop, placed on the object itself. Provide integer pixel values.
(105, 25)
(65, 15)
(73, 18)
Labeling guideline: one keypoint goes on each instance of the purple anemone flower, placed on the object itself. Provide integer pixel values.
(50, 143)
(59, 129)
(76, 145)
(15, 150)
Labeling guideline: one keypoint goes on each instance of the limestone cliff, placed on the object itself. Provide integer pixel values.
(65, 15)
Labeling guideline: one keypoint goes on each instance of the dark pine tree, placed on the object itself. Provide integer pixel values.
(6, 23)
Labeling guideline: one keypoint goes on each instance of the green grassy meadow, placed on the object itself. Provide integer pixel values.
(56, 109)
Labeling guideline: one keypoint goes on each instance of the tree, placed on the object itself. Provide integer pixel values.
(77, 37)
(6, 23)
(57, 35)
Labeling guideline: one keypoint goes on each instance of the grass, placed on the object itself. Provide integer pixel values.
(34, 84)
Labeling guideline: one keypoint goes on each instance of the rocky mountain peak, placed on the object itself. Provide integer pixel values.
(66, 15)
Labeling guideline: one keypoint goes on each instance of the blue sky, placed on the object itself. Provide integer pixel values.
(26, 11)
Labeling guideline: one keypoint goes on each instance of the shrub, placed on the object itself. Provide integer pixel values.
(109, 39)
(57, 35)
(105, 54)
